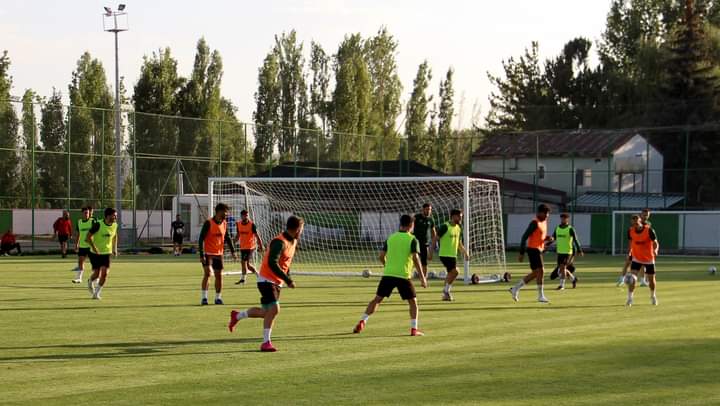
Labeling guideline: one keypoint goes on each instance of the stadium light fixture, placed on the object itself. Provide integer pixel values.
(111, 23)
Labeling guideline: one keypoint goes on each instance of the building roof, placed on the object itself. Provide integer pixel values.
(577, 143)
(332, 169)
(627, 200)
(510, 186)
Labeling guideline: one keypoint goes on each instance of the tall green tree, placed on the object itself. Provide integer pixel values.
(320, 101)
(443, 152)
(52, 159)
(29, 142)
(420, 143)
(385, 90)
(154, 133)
(91, 125)
(351, 100)
(267, 109)
(200, 99)
(292, 89)
(9, 140)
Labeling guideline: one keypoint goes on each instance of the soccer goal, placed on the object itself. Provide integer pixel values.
(679, 232)
(348, 219)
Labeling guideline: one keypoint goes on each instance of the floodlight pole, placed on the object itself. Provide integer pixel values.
(118, 137)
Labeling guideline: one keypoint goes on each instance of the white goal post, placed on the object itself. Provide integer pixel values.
(682, 232)
(348, 219)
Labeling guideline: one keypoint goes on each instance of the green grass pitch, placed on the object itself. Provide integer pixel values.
(149, 342)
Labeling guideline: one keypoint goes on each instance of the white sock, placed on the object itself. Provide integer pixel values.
(98, 289)
(204, 294)
(78, 274)
(447, 288)
(652, 293)
(630, 295)
(413, 323)
(365, 317)
(572, 276)
(266, 334)
(562, 282)
(541, 292)
(520, 284)
(218, 295)
(242, 314)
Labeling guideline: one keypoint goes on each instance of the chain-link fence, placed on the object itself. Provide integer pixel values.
(55, 157)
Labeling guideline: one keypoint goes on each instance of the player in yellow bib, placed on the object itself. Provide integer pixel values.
(399, 254)
(82, 227)
(103, 240)
(449, 235)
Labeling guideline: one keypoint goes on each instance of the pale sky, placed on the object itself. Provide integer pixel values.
(45, 38)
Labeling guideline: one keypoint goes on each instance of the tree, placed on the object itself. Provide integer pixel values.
(9, 140)
(351, 100)
(416, 128)
(29, 142)
(320, 102)
(91, 125)
(380, 54)
(267, 109)
(446, 111)
(200, 100)
(292, 90)
(155, 98)
(51, 161)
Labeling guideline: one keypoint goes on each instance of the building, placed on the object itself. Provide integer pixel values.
(578, 162)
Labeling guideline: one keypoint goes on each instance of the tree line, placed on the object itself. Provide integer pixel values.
(658, 69)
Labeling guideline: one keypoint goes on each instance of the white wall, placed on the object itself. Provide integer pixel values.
(158, 226)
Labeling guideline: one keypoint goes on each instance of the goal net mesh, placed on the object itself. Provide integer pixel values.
(347, 220)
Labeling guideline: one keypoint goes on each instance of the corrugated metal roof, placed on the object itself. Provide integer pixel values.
(578, 143)
(627, 200)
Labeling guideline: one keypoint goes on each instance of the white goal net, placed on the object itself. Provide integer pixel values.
(348, 219)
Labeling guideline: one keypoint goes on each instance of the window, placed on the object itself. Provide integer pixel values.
(513, 163)
(583, 177)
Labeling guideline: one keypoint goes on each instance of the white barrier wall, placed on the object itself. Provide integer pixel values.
(158, 226)
(517, 224)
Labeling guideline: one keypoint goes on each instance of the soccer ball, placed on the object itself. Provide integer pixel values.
(630, 279)
(507, 276)
(474, 279)
(431, 275)
(712, 270)
(366, 273)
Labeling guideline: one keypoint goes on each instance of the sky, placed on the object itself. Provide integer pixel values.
(45, 38)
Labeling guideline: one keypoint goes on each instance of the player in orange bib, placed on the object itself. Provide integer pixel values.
(534, 238)
(644, 247)
(274, 273)
(211, 245)
(247, 236)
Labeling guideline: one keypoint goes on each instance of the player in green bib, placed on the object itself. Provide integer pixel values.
(567, 244)
(399, 254)
(450, 234)
(103, 240)
(82, 227)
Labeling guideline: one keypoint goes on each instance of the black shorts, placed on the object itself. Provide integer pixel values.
(214, 261)
(177, 239)
(63, 238)
(535, 258)
(564, 259)
(404, 286)
(83, 252)
(450, 263)
(99, 260)
(269, 293)
(423, 254)
(649, 268)
(246, 255)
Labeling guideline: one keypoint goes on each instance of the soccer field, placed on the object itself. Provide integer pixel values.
(149, 342)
